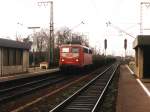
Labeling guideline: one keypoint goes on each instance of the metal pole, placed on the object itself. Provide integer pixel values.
(33, 28)
(33, 59)
(141, 15)
(141, 10)
(1, 62)
(51, 35)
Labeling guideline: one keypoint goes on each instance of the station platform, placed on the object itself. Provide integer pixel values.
(133, 95)
(26, 75)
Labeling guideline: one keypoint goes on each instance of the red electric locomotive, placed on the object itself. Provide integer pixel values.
(74, 56)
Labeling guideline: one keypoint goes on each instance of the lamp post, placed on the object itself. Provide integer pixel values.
(33, 50)
(34, 28)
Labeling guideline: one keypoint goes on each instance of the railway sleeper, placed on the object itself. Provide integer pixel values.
(75, 110)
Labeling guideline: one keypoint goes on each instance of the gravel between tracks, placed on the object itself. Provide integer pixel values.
(7, 107)
(109, 102)
(50, 102)
(47, 104)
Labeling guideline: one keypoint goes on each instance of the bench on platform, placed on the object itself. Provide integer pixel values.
(44, 65)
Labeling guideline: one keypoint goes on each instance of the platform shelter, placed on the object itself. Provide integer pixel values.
(14, 57)
(142, 56)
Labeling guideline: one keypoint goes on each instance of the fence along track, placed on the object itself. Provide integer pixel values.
(89, 96)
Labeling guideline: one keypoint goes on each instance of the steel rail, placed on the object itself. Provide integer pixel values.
(25, 84)
(78, 93)
(30, 88)
(62, 88)
(104, 90)
(23, 80)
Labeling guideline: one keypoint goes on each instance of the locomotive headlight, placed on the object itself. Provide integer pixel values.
(62, 60)
(77, 60)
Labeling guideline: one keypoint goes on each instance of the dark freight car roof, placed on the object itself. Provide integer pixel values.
(14, 44)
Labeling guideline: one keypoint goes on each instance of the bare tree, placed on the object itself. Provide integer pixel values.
(65, 35)
(26, 40)
(40, 40)
(62, 35)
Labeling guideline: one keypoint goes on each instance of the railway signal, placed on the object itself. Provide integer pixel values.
(105, 44)
(125, 44)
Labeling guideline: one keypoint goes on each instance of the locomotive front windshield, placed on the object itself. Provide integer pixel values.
(75, 50)
(65, 50)
(71, 50)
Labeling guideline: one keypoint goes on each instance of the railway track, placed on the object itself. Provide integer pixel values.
(89, 97)
(9, 92)
(59, 89)
(21, 81)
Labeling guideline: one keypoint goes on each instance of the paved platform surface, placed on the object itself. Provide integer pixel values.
(131, 97)
(25, 75)
(147, 85)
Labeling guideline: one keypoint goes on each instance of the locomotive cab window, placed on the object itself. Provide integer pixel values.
(75, 50)
(65, 50)
(90, 51)
(86, 50)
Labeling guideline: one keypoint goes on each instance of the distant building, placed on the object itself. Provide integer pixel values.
(14, 57)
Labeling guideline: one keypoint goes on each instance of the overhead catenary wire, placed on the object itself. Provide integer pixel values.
(121, 30)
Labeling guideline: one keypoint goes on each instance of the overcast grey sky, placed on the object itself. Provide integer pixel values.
(95, 13)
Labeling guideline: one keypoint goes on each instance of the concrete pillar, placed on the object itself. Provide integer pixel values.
(142, 46)
(0, 61)
(25, 60)
(140, 58)
(136, 61)
(139, 62)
